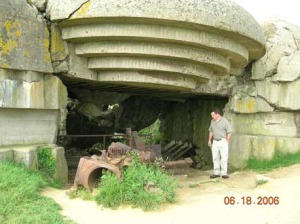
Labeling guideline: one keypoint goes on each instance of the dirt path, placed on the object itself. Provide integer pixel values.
(204, 202)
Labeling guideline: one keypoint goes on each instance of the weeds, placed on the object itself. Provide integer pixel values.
(261, 182)
(82, 193)
(279, 160)
(46, 162)
(132, 190)
(47, 166)
(20, 199)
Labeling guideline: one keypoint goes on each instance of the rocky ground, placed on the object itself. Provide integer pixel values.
(202, 200)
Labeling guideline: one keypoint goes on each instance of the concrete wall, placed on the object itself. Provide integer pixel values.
(28, 126)
(32, 100)
(24, 38)
(264, 110)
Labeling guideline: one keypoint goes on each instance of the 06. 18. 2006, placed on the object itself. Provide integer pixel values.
(248, 200)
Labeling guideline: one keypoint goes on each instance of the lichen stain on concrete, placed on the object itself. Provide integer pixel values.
(84, 8)
(247, 106)
(46, 43)
(57, 45)
(250, 105)
(27, 54)
(5, 65)
(239, 105)
(18, 33)
(47, 57)
(7, 46)
(8, 36)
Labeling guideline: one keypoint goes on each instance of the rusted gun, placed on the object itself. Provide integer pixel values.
(90, 169)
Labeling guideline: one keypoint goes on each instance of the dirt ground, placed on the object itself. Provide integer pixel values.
(202, 200)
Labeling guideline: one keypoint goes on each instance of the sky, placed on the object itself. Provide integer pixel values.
(262, 10)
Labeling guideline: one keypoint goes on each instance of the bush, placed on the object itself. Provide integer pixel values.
(131, 190)
(46, 162)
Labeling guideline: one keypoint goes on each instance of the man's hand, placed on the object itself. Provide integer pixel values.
(209, 143)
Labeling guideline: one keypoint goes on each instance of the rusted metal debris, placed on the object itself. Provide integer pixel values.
(90, 169)
(117, 149)
(187, 162)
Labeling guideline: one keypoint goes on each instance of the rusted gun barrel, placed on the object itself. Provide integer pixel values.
(117, 149)
(185, 163)
(88, 171)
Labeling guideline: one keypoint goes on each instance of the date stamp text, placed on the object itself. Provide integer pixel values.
(248, 200)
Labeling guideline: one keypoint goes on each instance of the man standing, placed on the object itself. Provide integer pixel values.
(218, 140)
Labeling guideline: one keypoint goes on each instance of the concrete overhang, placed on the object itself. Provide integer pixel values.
(159, 46)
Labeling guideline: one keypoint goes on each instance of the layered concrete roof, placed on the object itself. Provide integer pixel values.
(175, 45)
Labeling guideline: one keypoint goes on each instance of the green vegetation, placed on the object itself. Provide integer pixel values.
(82, 193)
(47, 165)
(46, 162)
(132, 189)
(261, 182)
(279, 160)
(20, 201)
(152, 130)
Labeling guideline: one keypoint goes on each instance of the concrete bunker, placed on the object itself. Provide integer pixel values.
(174, 64)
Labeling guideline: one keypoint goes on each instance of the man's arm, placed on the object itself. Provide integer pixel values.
(228, 137)
(210, 138)
(228, 130)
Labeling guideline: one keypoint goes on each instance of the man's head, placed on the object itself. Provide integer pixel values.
(215, 114)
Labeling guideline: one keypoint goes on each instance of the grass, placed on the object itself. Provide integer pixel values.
(131, 190)
(82, 193)
(46, 162)
(20, 201)
(47, 165)
(261, 182)
(279, 160)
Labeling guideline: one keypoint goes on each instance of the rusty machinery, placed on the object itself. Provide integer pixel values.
(90, 168)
